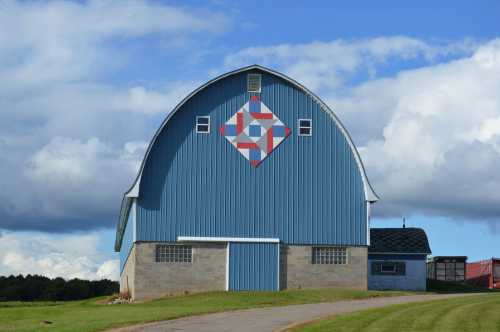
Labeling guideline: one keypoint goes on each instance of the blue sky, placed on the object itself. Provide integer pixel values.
(86, 84)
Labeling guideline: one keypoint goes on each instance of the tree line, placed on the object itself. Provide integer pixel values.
(40, 288)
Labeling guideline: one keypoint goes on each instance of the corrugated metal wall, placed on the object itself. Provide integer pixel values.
(253, 266)
(128, 241)
(308, 191)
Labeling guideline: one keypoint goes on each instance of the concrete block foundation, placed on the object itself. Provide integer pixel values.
(145, 278)
(302, 273)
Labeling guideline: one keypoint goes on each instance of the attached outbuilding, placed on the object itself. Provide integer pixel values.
(397, 259)
(250, 183)
(447, 268)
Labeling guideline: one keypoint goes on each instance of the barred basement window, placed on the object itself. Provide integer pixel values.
(174, 253)
(329, 255)
(202, 124)
(305, 127)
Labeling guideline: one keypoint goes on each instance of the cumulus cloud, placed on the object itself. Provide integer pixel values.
(329, 65)
(74, 124)
(60, 41)
(74, 184)
(438, 152)
(138, 99)
(428, 135)
(67, 256)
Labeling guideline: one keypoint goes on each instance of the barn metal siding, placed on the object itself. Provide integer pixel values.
(307, 191)
(253, 266)
(128, 241)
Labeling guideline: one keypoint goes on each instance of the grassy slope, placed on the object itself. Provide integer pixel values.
(474, 314)
(90, 316)
(439, 286)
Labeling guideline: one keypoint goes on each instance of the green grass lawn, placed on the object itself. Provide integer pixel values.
(439, 286)
(475, 314)
(89, 315)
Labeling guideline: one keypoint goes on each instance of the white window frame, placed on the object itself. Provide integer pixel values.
(198, 131)
(310, 127)
(260, 82)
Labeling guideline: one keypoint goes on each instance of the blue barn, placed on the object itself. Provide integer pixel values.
(250, 183)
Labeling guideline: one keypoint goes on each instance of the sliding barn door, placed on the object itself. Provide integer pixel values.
(253, 266)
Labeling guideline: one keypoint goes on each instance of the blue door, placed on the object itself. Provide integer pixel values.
(253, 266)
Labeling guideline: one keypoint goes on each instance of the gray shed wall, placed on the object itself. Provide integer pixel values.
(415, 278)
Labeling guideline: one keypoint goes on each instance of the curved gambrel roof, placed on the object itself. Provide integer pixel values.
(133, 192)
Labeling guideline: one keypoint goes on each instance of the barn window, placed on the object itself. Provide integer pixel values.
(202, 124)
(253, 82)
(173, 253)
(389, 268)
(305, 127)
(329, 255)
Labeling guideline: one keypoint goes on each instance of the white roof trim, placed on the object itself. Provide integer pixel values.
(226, 239)
(370, 194)
(134, 191)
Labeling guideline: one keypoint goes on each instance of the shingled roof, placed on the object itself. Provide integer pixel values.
(398, 240)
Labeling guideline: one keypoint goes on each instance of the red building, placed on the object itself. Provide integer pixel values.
(484, 273)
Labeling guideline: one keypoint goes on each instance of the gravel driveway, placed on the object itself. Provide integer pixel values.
(274, 318)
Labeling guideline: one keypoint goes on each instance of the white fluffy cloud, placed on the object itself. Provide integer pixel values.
(138, 99)
(439, 151)
(424, 115)
(329, 65)
(429, 135)
(60, 41)
(74, 184)
(67, 256)
(77, 162)
(73, 123)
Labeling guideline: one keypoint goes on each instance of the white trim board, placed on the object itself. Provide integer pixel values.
(227, 265)
(226, 239)
(133, 210)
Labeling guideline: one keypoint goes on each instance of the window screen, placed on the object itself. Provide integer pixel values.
(305, 127)
(460, 271)
(174, 253)
(329, 255)
(202, 124)
(253, 82)
(496, 271)
(440, 271)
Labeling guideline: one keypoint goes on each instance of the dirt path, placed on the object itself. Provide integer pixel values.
(274, 318)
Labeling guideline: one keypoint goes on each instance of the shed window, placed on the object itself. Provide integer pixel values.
(202, 124)
(173, 253)
(389, 268)
(254, 82)
(305, 127)
(329, 255)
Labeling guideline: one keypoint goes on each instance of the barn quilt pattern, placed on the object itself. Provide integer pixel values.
(255, 131)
